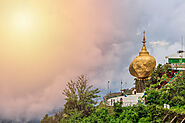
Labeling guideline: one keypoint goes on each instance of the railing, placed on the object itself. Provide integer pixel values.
(174, 76)
(108, 97)
(177, 65)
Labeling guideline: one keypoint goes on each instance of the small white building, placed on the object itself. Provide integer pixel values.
(127, 100)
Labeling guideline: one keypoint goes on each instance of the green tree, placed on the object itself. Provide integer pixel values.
(80, 98)
(48, 119)
(100, 115)
(172, 94)
(152, 97)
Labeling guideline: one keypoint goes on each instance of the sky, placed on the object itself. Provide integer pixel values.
(45, 43)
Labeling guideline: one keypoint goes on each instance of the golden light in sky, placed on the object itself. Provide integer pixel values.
(39, 45)
(22, 20)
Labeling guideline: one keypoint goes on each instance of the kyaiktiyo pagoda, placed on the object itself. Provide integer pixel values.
(142, 67)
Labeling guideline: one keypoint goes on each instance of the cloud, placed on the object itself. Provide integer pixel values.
(86, 37)
(161, 51)
(159, 43)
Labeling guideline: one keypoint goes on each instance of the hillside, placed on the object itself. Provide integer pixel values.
(164, 87)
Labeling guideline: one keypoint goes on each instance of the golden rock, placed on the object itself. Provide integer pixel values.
(143, 65)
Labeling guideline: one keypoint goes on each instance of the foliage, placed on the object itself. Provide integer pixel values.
(48, 119)
(144, 120)
(172, 94)
(157, 74)
(80, 97)
(179, 110)
(130, 114)
(153, 97)
(101, 115)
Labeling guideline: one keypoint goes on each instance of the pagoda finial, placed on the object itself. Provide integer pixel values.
(144, 50)
(144, 37)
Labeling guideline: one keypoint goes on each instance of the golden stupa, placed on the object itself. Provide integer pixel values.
(143, 65)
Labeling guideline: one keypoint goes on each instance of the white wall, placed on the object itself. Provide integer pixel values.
(129, 100)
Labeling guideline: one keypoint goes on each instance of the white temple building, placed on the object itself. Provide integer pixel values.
(126, 100)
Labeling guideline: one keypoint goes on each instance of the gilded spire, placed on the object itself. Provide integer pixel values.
(143, 50)
(143, 65)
